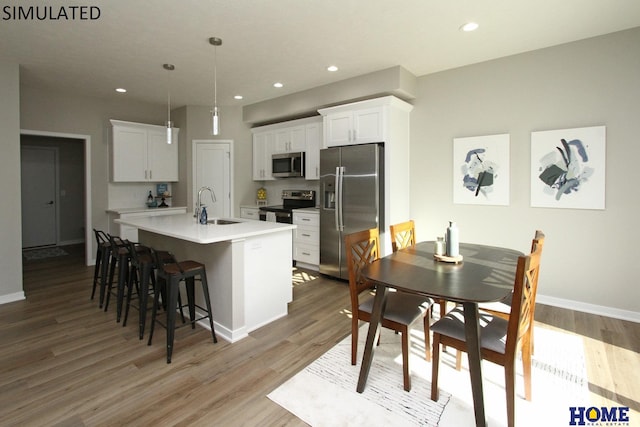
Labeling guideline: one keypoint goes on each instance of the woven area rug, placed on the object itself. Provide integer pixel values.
(41, 253)
(323, 393)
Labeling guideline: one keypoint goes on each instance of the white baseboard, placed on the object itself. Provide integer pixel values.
(601, 310)
(17, 296)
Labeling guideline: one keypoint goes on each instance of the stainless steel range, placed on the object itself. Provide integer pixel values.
(291, 199)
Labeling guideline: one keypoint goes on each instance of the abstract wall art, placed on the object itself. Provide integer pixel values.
(568, 168)
(481, 170)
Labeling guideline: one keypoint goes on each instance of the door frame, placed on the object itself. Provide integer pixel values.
(88, 228)
(194, 145)
(56, 189)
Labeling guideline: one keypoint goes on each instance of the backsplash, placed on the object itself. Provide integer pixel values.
(132, 194)
(274, 189)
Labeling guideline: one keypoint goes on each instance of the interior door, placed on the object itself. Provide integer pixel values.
(39, 212)
(212, 168)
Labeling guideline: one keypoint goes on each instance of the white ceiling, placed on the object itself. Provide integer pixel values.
(290, 41)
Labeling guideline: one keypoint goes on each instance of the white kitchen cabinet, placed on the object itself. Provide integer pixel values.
(306, 238)
(250, 212)
(290, 140)
(140, 153)
(262, 150)
(360, 126)
(313, 134)
(302, 135)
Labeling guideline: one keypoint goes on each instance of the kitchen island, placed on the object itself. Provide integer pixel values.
(248, 265)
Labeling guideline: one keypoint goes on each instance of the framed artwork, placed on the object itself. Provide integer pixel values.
(481, 170)
(568, 168)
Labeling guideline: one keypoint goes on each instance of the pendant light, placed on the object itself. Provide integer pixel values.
(169, 67)
(215, 116)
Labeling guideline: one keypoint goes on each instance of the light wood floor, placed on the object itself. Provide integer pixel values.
(64, 362)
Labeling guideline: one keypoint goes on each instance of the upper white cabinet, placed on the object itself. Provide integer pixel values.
(312, 159)
(303, 135)
(140, 153)
(262, 150)
(289, 140)
(354, 127)
(361, 122)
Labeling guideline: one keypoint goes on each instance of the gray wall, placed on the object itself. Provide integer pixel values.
(10, 222)
(589, 255)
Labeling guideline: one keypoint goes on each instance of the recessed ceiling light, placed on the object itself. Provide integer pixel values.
(237, 97)
(332, 68)
(121, 90)
(469, 26)
(278, 84)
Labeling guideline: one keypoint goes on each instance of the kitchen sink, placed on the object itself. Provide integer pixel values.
(219, 221)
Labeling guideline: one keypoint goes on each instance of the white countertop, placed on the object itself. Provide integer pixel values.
(185, 227)
(121, 211)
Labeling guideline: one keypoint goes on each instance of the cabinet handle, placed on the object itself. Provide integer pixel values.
(145, 174)
(354, 134)
(306, 253)
(306, 235)
(306, 219)
(151, 174)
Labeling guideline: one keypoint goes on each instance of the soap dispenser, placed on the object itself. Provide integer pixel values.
(203, 215)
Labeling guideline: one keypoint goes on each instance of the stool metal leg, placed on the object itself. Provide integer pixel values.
(172, 305)
(205, 291)
(96, 271)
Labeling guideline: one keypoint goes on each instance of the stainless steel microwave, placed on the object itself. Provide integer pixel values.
(288, 165)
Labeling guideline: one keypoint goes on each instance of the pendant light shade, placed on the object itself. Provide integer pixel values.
(169, 67)
(215, 116)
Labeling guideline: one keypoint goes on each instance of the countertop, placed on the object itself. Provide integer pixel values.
(121, 211)
(185, 227)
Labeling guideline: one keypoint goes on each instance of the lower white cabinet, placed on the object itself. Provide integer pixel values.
(306, 238)
(249, 212)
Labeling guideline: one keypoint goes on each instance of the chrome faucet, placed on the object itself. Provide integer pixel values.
(199, 202)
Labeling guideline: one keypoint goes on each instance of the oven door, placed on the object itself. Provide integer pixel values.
(282, 217)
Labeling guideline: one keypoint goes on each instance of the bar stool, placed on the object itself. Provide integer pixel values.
(119, 258)
(141, 274)
(103, 254)
(172, 273)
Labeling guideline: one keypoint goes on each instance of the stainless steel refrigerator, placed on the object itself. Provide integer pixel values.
(351, 199)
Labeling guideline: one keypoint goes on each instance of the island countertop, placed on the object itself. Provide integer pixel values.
(185, 227)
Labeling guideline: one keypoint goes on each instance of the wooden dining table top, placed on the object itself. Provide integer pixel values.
(485, 274)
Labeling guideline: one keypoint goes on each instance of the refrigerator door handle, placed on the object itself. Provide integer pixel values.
(337, 196)
(339, 204)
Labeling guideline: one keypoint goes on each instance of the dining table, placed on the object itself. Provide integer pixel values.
(482, 274)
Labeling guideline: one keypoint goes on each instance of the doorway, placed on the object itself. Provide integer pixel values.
(39, 191)
(81, 196)
(213, 167)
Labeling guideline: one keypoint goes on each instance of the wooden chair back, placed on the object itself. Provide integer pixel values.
(362, 247)
(403, 235)
(523, 302)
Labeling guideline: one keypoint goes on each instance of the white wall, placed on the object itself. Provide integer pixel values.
(589, 257)
(10, 220)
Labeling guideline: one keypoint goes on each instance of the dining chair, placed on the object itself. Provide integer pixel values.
(401, 310)
(500, 339)
(403, 235)
(503, 308)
